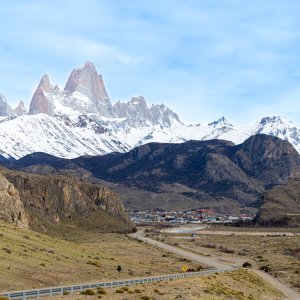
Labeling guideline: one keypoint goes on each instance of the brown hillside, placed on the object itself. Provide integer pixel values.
(281, 205)
(63, 203)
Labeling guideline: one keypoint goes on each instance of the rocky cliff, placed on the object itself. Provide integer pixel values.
(11, 207)
(281, 205)
(54, 201)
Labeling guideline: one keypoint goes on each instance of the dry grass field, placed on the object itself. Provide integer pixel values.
(278, 255)
(29, 259)
(238, 285)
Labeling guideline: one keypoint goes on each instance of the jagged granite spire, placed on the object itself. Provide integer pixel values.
(41, 102)
(86, 93)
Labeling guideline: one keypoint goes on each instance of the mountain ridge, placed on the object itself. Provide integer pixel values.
(196, 173)
(81, 120)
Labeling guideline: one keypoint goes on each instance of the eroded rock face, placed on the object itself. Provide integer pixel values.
(51, 200)
(11, 207)
(268, 158)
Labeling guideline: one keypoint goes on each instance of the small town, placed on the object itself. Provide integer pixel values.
(198, 215)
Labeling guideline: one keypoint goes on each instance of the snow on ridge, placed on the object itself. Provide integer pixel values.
(73, 135)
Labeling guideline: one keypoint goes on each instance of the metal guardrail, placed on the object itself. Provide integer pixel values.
(53, 291)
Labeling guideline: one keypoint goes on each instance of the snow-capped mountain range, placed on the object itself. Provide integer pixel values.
(81, 120)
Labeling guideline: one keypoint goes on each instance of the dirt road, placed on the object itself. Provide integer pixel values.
(218, 263)
(208, 261)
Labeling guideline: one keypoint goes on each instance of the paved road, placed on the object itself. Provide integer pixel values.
(218, 263)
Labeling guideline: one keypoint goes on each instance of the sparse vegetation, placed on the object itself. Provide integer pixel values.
(240, 285)
(277, 254)
(44, 260)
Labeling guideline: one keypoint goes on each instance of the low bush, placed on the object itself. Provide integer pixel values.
(212, 246)
(101, 291)
(246, 264)
(88, 292)
(265, 268)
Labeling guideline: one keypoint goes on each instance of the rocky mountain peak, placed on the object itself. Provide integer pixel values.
(221, 122)
(163, 115)
(45, 83)
(20, 110)
(41, 101)
(137, 112)
(140, 100)
(86, 93)
(5, 109)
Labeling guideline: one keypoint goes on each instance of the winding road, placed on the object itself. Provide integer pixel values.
(216, 262)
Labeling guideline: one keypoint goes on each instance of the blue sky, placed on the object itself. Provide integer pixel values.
(204, 59)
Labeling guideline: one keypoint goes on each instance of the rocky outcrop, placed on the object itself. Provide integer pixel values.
(51, 201)
(41, 101)
(266, 158)
(11, 207)
(281, 205)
